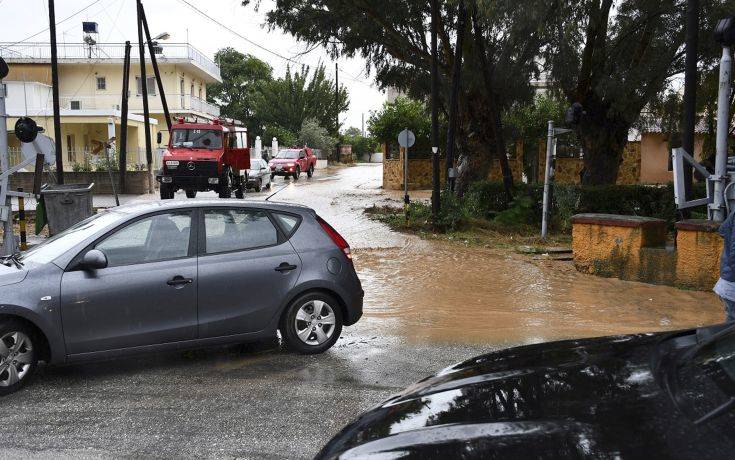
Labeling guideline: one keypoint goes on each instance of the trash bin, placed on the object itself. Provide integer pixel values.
(66, 204)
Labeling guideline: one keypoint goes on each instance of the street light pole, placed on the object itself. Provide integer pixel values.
(547, 180)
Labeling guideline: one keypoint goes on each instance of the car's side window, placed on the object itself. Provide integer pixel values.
(151, 239)
(237, 229)
(288, 221)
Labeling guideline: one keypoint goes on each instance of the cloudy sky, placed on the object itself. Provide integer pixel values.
(20, 19)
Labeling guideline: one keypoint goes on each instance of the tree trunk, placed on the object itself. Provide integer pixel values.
(603, 147)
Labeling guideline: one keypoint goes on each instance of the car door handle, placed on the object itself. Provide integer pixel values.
(285, 267)
(179, 281)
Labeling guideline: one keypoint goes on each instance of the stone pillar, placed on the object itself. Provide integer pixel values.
(698, 247)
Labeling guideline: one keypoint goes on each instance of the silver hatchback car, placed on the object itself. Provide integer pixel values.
(173, 275)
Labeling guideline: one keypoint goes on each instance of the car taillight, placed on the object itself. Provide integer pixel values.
(336, 237)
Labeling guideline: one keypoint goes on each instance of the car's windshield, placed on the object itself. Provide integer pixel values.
(197, 138)
(289, 154)
(66, 240)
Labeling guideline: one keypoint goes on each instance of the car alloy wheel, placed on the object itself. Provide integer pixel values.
(315, 322)
(16, 358)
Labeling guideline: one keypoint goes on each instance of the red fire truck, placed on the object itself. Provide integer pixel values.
(205, 156)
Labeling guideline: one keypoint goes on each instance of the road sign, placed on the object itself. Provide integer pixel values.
(406, 138)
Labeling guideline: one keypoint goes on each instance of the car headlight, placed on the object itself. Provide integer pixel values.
(289, 165)
(172, 163)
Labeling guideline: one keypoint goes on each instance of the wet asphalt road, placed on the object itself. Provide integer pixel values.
(427, 306)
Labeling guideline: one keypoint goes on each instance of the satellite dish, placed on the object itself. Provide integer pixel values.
(43, 145)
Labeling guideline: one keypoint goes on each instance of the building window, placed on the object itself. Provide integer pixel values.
(5, 90)
(75, 105)
(200, 92)
(101, 83)
(151, 86)
(192, 91)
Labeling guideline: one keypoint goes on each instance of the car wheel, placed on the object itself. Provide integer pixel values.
(191, 193)
(312, 323)
(167, 192)
(297, 173)
(268, 186)
(18, 356)
(259, 185)
(273, 176)
(310, 172)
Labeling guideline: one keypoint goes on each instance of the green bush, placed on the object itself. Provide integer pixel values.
(488, 200)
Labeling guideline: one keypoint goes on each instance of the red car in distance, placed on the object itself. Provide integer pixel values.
(293, 161)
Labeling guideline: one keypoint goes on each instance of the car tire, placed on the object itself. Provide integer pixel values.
(191, 193)
(310, 172)
(167, 191)
(23, 357)
(297, 321)
(273, 176)
(268, 186)
(259, 185)
(297, 173)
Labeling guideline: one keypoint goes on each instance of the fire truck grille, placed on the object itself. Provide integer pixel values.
(196, 168)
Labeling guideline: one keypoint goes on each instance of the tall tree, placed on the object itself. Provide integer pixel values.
(392, 36)
(242, 77)
(614, 58)
(296, 97)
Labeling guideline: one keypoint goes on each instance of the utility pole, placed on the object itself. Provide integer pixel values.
(690, 91)
(6, 211)
(435, 176)
(156, 72)
(336, 104)
(454, 96)
(144, 90)
(363, 124)
(123, 156)
(55, 93)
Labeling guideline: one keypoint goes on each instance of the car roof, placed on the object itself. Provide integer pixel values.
(144, 207)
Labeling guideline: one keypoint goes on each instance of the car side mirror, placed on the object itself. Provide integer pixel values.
(94, 260)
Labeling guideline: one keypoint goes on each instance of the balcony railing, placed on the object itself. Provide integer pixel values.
(84, 160)
(105, 51)
(176, 102)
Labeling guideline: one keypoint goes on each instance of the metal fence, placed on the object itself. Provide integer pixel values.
(103, 51)
(85, 160)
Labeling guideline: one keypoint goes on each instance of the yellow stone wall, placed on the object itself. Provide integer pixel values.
(698, 257)
(610, 250)
(419, 174)
(638, 253)
(568, 169)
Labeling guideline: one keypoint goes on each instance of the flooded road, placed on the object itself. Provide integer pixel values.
(428, 304)
(435, 291)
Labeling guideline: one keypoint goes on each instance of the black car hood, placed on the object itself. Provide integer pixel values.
(578, 398)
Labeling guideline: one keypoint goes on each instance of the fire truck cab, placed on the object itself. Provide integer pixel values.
(205, 156)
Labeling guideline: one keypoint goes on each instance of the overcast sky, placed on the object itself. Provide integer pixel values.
(22, 18)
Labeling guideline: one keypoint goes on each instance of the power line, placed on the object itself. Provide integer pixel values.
(57, 23)
(238, 34)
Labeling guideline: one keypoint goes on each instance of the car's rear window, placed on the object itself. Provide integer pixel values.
(288, 222)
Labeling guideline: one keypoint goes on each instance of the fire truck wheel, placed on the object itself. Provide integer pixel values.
(297, 173)
(167, 192)
(225, 186)
(191, 193)
(310, 172)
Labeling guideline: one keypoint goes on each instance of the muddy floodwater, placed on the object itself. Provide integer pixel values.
(438, 291)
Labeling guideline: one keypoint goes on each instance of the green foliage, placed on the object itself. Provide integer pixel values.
(290, 100)
(529, 121)
(394, 117)
(360, 144)
(242, 77)
(314, 136)
(285, 137)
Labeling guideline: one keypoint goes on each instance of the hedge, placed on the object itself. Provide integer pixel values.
(488, 200)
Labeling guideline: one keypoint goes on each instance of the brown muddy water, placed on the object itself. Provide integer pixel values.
(439, 291)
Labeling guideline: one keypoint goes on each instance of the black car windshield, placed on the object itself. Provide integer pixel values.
(197, 138)
(289, 154)
(59, 244)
